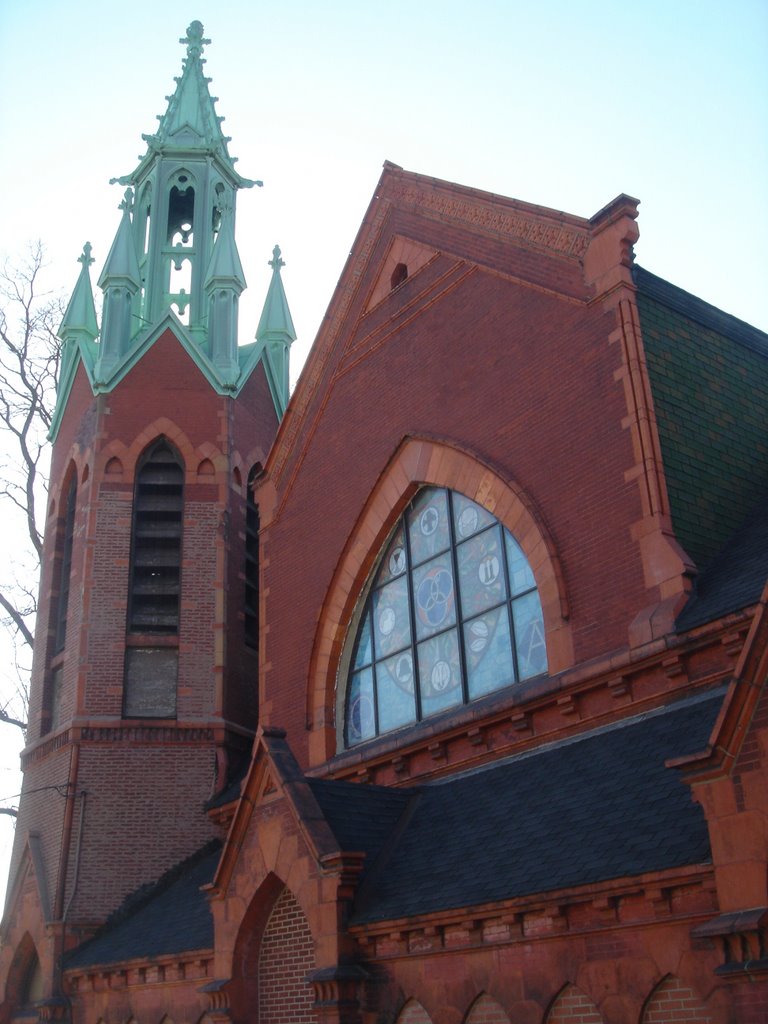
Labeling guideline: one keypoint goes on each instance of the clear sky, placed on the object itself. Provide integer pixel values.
(559, 103)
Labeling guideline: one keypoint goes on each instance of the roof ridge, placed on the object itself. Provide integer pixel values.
(703, 312)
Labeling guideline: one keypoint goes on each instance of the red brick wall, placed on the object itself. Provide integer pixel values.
(133, 834)
(573, 1007)
(287, 956)
(674, 1003)
(750, 1004)
(563, 443)
(486, 1011)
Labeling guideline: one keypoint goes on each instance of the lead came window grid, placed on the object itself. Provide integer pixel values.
(452, 614)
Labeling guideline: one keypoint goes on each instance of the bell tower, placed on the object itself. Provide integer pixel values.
(144, 695)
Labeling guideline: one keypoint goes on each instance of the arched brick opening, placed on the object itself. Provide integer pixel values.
(485, 1010)
(130, 456)
(286, 957)
(413, 1013)
(273, 955)
(416, 463)
(20, 978)
(673, 1002)
(571, 1005)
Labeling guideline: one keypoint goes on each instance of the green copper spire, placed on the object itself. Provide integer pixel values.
(223, 284)
(78, 332)
(174, 263)
(276, 333)
(120, 281)
(183, 182)
(80, 318)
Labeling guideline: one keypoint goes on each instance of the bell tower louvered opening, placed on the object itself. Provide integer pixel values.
(151, 657)
(156, 556)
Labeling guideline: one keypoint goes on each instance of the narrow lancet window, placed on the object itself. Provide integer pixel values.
(62, 603)
(252, 565)
(151, 665)
(156, 555)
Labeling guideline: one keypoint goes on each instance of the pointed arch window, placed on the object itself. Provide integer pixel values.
(156, 544)
(252, 563)
(151, 662)
(68, 534)
(452, 614)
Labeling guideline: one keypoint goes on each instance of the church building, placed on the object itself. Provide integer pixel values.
(432, 693)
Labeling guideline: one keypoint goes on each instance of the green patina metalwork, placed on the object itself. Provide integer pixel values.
(174, 260)
(276, 333)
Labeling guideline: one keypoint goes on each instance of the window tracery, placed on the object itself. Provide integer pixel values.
(452, 614)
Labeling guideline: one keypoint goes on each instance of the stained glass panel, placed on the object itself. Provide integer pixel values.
(428, 526)
(394, 562)
(434, 599)
(364, 653)
(361, 724)
(392, 627)
(397, 704)
(488, 652)
(481, 573)
(520, 575)
(443, 571)
(529, 634)
(469, 517)
(440, 673)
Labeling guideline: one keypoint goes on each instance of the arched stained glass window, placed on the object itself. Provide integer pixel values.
(452, 614)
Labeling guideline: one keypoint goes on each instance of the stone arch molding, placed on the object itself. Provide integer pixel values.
(129, 455)
(485, 1010)
(671, 998)
(572, 1004)
(417, 462)
(75, 465)
(413, 1013)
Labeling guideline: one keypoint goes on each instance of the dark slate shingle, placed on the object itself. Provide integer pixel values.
(709, 377)
(736, 576)
(170, 917)
(598, 807)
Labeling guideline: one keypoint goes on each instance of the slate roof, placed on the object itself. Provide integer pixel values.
(170, 917)
(736, 576)
(709, 377)
(362, 818)
(584, 810)
(597, 807)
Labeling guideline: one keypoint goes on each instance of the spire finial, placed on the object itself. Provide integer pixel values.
(194, 40)
(86, 259)
(276, 262)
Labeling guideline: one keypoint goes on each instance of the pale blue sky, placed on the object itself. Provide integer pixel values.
(559, 103)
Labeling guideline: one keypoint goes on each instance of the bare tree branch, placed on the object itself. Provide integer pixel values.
(29, 367)
(18, 620)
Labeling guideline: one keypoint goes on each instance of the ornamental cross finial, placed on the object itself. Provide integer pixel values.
(127, 203)
(194, 39)
(86, 259)
(276, 262)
